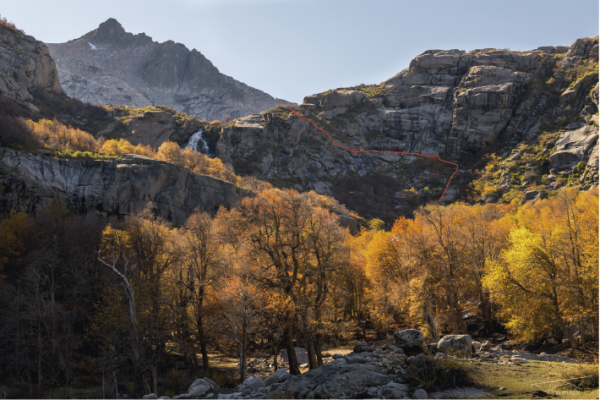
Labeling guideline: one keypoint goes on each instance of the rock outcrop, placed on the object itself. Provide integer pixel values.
(25, 65)
(111, 66)
(448, 103)
(111, 187)
(153, 126)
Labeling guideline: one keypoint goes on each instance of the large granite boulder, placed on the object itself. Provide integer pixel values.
(279, 376)
(410, 341)
(456, 344)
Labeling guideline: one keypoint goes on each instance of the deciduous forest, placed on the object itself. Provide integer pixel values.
(126, 299)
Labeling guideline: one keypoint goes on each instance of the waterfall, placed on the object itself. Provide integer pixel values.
(198, 143)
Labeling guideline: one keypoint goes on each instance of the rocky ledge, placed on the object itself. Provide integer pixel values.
(372, 372)
(114, 187)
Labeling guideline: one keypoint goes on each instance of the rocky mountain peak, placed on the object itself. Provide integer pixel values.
(112, 66)
(111, 33)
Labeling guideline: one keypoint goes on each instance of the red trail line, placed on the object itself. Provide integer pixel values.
(382, 151)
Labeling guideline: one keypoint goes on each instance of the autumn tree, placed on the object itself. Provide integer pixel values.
(548, 276)
(201, 266)
(296, 246)
(141, 255)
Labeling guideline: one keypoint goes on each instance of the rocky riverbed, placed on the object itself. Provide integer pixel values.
(375, 371)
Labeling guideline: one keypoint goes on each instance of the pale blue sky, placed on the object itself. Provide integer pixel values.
(293, 48)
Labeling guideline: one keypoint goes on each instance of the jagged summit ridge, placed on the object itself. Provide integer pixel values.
(112, 33)
(111, 66)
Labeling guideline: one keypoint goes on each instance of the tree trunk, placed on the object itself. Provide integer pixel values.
(40, 347)
(434, 330)
(115, 385)
(318, 350)
(243, 348)
(312, 357)
(154, 379)
(292, 360)
(274, 352)
(201, 335)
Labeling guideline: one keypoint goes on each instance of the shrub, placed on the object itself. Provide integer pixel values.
(113, 147)
(224, 380)
(9, 25)
(439, 373)
(58, 136)
(15, 132)
(169, 151)
(175, 382)
(584, 376)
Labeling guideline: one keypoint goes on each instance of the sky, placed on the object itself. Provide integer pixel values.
(294, 48)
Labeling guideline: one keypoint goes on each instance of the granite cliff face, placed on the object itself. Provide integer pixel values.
(115, 188)
(458, 105)
(25, 65)
(111, 66)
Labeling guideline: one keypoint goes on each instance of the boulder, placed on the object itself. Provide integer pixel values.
(456, 344)
(336, 356)
(394, 390)
(336, 99)
(530, 197)
(477, 346)
(198, 388)
(281, 375)
(212, 383)
(573, 146)
(355, 359)
(571, 93)
(253, 383)
(150, 396)
(485, 345)
(419, 394)
(360, 347)
(313, 99)
(518, 360)
(236, 395)
(410, 341)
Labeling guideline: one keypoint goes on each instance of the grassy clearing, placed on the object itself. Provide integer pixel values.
(519, 381)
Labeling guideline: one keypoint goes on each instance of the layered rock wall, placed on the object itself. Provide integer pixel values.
(111, 187)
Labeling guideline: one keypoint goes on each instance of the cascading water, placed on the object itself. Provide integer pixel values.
(198, 143)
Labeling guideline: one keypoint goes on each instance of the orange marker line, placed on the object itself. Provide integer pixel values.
(382, 151)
